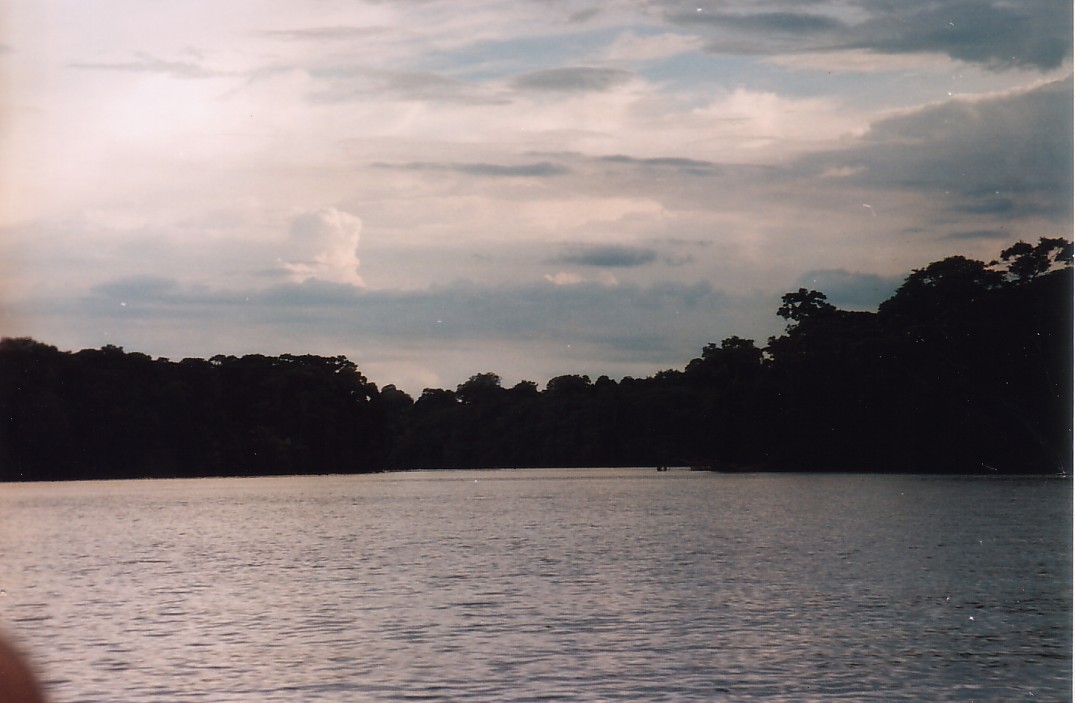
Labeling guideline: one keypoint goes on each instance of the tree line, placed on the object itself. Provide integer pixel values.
(967, 367)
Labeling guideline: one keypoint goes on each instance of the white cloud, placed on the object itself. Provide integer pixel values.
(607, 278)
(842, 172)
(564, 278)
(767, 125)
(560, 214)
(324, 245)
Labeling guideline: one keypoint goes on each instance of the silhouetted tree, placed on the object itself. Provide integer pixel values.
(1027, 261)
(482, 388)
(966, 367)
(942, 291)
(804, 306)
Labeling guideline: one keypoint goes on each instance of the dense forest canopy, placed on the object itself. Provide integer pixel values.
(966, 368)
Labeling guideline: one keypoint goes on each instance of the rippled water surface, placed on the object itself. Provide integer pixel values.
(543, 585)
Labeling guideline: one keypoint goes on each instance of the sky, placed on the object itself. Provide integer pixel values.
(531, 188)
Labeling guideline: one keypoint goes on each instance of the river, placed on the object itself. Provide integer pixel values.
(543, 585)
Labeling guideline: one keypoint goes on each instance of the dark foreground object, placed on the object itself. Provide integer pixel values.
(17, 682)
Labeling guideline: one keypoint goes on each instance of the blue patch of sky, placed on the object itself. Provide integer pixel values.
(850, 290)
(878, 90)
(693, 70)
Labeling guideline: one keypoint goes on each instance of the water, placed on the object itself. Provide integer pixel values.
(543, 586)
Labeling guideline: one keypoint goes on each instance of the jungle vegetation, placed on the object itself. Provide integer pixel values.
(966, 368)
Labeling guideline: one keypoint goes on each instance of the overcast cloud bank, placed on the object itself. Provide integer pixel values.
(530, 188)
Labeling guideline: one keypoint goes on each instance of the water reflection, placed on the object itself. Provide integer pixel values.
(554, 585)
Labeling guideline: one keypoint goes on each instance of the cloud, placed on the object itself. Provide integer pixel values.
(1008, 154)
(681, 260)
(573, 80)
(796, 23)
(680, 242)
(998, 206)
(347, 83)
(323, 245)
(737, 29)
(607, 256)
(1034, 34)
(329, 33)
(505, 130)
(690, 166)
(978, 234)
(563, 278)
(542, 169)
(583, 16)
(138, 289)
(151, 64)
